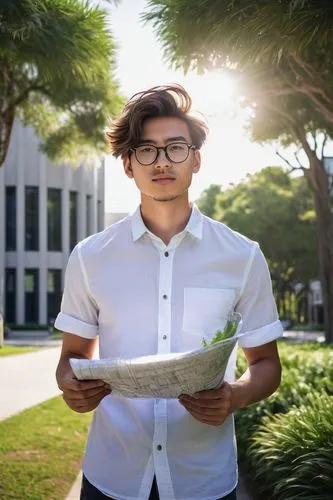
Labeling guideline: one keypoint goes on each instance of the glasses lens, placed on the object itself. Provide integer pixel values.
(177, 152)
(146, 154)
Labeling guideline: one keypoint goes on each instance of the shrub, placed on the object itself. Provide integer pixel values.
(291, 453)
(305, 368)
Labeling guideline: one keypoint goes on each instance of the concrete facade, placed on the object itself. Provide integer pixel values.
(82, 188)
(113, 217)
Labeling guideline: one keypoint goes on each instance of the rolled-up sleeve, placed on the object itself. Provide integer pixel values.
(79, 312)
(257, 304)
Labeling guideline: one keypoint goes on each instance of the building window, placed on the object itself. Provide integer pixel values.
(10, 287)
(11, 218)
(31, 295)
(88, 214)
(100, 216)
(31, 218)
(72, 219)
(53, 293)
(54, 242)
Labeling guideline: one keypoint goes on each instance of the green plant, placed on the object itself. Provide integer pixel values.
(291, 454)
(305, 368)
(229, 330)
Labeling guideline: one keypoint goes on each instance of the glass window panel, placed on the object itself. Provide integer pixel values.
(72, 219)
(31, 296)
(10, 295)
(10, 218)
(54, 293)
(54, 240)
(31, 218)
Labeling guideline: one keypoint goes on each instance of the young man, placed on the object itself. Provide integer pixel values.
(157, 282)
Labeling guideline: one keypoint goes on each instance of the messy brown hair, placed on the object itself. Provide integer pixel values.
(125, 132)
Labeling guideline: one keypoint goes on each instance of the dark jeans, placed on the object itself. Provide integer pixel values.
(89, 492)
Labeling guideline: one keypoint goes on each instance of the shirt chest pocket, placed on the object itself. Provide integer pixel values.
(206, 309)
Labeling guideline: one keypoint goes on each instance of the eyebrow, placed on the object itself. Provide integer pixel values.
(168, 139)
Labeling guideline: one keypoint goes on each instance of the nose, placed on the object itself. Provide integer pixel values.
(162, 159)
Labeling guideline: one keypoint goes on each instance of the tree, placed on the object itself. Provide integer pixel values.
(247, 33)
(56, 63)
(285, 58)
(277, 211)
(207, 200)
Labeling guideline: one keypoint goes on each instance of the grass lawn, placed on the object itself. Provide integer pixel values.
(41, 451)
(9, 350)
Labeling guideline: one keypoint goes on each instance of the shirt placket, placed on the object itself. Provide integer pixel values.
(163, 347)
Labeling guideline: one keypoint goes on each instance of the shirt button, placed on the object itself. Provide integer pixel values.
(159, 447)
(164, 337)
(166, 254)
(165, 296)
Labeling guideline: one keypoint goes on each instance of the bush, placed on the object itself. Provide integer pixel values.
(291, 454)
(306, 369)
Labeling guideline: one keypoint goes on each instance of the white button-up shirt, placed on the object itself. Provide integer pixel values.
(144, 297)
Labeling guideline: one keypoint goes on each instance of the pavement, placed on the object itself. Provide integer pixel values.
(302, 336)
(27, 380)
(30, 377)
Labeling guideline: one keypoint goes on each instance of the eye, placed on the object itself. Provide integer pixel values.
(177, 147)
(146, 149)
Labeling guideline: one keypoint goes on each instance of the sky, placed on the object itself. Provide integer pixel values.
(228, 154)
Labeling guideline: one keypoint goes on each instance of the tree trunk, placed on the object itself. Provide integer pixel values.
(319, 184)
(2, 249)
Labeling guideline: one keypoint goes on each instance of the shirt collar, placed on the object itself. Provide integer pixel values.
(194, 225)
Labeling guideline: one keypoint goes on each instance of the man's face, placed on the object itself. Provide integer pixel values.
(164, 180)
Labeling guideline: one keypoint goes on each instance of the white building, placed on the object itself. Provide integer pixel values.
(44, 210)
(113, 217)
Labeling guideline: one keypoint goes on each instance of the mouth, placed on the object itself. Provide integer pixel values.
(164, 180)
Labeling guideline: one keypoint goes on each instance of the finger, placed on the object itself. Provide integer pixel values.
(87, 394)
(91, 401)
(85, 404)
(210, 394)
(206, 412)
(203, 403)
(81, 385)
(206, 420)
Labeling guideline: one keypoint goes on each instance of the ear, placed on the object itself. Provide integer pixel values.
(127, 166)
(197, 161)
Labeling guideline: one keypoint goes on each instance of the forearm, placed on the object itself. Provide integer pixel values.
(260, 380)
(64, 366)
(73, 347)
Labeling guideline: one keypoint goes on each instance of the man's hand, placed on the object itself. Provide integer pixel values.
(82, 395)
(210, 407)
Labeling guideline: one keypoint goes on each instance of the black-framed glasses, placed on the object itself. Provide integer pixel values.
(176, 152)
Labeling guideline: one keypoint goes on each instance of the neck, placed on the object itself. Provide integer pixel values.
(167, 218)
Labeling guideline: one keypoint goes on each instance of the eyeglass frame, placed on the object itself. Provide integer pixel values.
(164, 148)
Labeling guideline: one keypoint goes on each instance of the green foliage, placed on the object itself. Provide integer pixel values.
(277, 211)
(204, 34)
(229, 330)
(281, 53)
(57, 61)
(206, 202)
(292, 453)
(306, 369)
